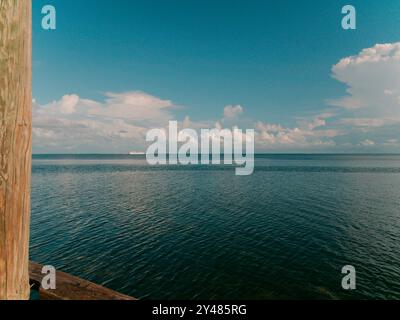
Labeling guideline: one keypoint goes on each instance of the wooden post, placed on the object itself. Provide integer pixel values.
(15, 146)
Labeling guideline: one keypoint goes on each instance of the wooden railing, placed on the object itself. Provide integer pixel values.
(69, 287)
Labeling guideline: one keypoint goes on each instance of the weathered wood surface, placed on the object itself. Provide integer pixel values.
(71, 288)
(15, 146)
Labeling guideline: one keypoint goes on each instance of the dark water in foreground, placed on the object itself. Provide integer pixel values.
(201, 232)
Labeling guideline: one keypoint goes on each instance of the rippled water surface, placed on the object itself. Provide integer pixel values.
(201, 232)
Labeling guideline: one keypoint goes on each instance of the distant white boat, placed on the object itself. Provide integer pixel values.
(134, 153)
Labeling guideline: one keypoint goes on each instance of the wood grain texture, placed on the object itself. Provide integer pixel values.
(71, 288)
(15, 146)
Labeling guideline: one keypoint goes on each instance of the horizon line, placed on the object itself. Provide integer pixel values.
(256, 153)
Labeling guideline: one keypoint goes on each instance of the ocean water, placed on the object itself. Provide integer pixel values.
(200, 232)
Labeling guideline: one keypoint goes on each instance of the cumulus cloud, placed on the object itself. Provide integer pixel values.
(68, 104)
(364, 122)
(367, 143)
(313, 133)
(133, 106)
(372, 101)
(119, 122)
(116, 124)
(391, 143)
(308, 135)
(372, 78)
(232, 111)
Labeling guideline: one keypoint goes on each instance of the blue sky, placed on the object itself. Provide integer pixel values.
(188, 60)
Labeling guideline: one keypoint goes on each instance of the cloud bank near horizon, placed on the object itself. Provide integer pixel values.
(365, 119)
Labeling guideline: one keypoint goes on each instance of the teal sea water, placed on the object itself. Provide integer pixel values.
(200, 232)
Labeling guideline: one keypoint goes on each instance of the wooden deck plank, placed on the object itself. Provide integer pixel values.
(69, 287)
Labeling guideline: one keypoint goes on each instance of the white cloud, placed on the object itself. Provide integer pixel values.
(364, 122)
(367, 143)
(373, 81)
(232, 111)
(377, 53)
(308, 135)
(372, 103)
(133, 106)
(116, 124)
(391, 143)
(120, 121)
(68, 103)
